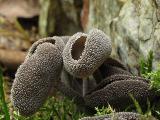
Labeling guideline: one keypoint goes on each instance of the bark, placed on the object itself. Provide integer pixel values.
(133, 26)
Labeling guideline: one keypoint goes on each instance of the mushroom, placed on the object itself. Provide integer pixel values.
(117, 77)
(109, 67)
(114, 62)
(84, 53)
(106, 70)
(120, 116)
(116, 91)
(37, 75)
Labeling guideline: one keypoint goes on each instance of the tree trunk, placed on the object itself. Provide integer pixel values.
(133, 26)
(59, 17)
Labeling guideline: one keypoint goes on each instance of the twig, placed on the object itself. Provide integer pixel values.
(11, 58)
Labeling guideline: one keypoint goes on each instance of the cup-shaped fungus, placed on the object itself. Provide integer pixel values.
(84, 53)
(37, 75)
(120, 116)
(114, 78)
(117, 93)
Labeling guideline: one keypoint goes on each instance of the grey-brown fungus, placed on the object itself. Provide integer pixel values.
(107, 70)
(84, 53)
(70, 93)
(116, 77)
(37, 75)
(53, 40)
(114, 62)
(121, 116)
(109, 67)
(65, 39)
(117, 94)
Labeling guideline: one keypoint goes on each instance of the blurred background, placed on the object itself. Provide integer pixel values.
(132, 25)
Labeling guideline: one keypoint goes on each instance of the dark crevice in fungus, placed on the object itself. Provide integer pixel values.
(114, 62)
(70, 93)
(78, 47)
(108, 70)
(71, 81)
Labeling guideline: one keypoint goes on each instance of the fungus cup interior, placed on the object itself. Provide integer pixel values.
(78, 47)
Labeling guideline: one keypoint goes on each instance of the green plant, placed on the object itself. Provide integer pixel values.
(155, 80)
(147, 72)
(147, 114)
(138, 107)
(4, 108)
(56, 109)
(104, 110)
(146, 64)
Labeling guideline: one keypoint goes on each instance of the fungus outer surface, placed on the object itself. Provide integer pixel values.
(65, 39)
(117, 77)
(84, 53)
(37, 75)
(117, 94)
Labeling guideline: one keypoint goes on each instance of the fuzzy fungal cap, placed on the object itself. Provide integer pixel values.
(117, 94)
(37, 75)
(84, 53)
(120, 116)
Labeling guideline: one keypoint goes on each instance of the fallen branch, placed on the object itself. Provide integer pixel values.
(11, 58)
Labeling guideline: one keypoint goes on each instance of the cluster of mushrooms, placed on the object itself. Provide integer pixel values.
(80, 67)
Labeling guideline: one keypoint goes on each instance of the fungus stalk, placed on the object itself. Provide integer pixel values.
(85, 86)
